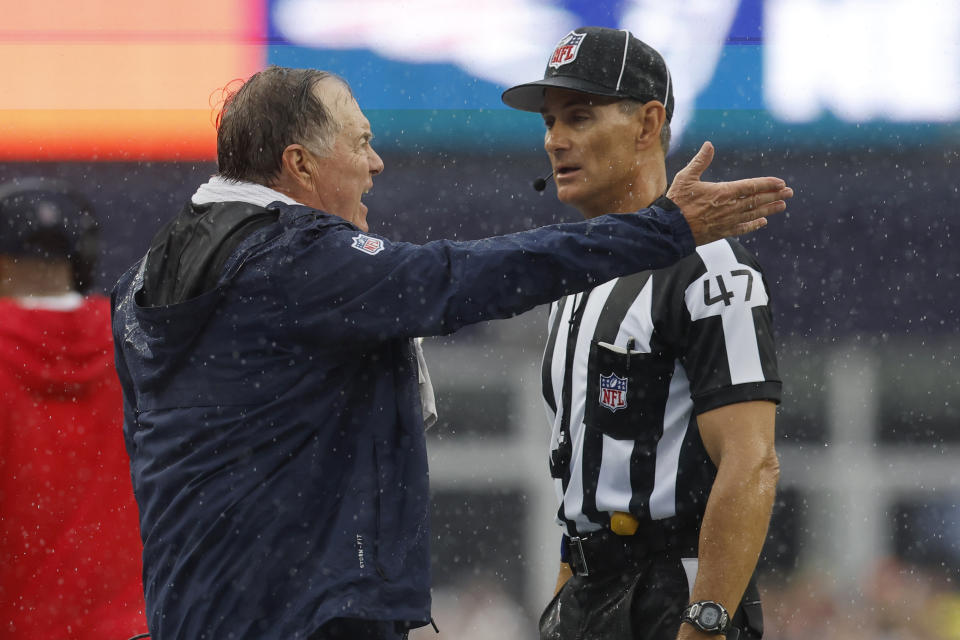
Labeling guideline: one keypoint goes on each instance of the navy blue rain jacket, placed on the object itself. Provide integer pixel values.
(274, 423)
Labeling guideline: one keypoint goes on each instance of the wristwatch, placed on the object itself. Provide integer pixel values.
(707, 616)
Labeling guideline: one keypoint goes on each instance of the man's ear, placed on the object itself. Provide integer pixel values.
(295, 165)
(650, 118)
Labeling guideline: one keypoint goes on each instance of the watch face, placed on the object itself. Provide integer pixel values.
(709, 616)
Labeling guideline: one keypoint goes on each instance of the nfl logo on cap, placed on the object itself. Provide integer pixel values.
(566, 51)
(613, 392)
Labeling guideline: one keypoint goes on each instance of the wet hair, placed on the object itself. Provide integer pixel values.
(628, 106)
(275, 108)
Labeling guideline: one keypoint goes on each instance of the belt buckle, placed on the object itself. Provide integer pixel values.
(577, 548)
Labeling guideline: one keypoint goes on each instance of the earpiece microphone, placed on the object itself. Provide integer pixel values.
(541, 183)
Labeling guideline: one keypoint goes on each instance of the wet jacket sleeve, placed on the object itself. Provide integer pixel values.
(347, 285)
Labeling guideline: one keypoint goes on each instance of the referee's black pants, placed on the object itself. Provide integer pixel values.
(644, 601)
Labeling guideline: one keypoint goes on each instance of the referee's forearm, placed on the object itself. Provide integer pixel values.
(733, 531)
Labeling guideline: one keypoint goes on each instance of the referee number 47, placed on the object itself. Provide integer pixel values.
(724, 295)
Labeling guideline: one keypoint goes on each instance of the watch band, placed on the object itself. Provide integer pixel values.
(707, 616)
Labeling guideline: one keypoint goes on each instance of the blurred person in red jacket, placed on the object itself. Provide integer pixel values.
(70, 564)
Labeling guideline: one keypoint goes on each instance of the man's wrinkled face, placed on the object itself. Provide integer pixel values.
(591, 144)
(346, 172)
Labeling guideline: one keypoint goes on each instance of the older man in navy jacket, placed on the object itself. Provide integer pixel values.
(265, 346)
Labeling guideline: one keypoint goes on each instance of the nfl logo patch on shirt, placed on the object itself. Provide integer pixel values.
(373, 246)
(566, 51)
(613, 392)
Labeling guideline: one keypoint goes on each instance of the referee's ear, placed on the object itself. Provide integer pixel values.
(650, 118)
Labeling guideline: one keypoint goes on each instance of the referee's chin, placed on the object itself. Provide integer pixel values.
(564, 195)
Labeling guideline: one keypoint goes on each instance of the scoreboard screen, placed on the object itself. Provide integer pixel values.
(120, 80)
(131, 80)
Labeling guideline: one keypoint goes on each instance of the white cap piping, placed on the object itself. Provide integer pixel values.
(623, 65)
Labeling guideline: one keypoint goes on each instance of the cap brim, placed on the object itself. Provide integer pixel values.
(529, 96)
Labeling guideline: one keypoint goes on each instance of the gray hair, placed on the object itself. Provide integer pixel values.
(629, 106)
(275, 108)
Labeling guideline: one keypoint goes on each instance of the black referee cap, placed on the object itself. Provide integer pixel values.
(601, 61)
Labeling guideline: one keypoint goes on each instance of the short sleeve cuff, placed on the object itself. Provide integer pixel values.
(767, 390)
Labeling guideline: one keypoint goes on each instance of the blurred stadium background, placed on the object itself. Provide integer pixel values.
(855, 102)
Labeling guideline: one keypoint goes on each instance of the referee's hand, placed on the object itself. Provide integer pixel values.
(717, 210)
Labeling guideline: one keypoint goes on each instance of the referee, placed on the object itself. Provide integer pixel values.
(660, 386)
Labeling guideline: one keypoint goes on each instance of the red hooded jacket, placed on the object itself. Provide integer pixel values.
(70, 551)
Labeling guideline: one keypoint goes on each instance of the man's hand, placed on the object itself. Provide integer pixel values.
(717, 210)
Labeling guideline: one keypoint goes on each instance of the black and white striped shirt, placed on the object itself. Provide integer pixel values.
(629, 365)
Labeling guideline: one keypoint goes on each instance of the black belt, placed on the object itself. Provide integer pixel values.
(603, 551)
